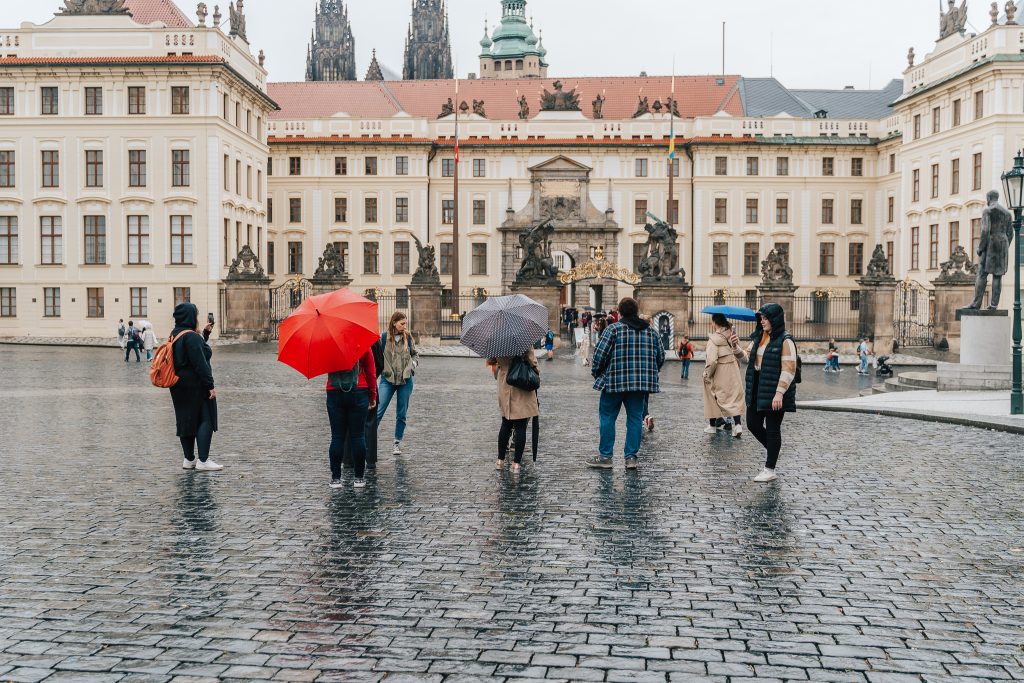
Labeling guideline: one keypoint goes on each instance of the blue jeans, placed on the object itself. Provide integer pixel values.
(686, 368)
(347, 412)
(385, 392)
(608, 411)
(864, 363)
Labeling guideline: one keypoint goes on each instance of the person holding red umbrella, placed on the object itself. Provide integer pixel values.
(351, 395)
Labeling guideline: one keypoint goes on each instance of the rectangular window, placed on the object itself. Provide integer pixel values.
(479, 259)
(401, 298)
(51, 302)
(975, 236)
(136, 100)
(479, 168)
(340, 165)
(370, 209)
(95, 229)
(51, 240)
(856, 212)
(51, 168)
(140, 302)
(936, 120)
(179, 99)
(8, 302)
(6, 101)
(976, 185)
(674, 167)
(721, 166)
(270, 258)
(371, 166)
(915, 248)
(445, 258)
(401, 258)
(7, 169)
(8, 240)
(137, 168)
(94, 168)
(227, 173)
(448, 211)
(93, 101)
(720, 258)
(94, 302)
(752, 165)
(183, 295)
(915, 185)
(640, 212)
(721, 210)
(782, 210)
(402, 210)
(50, 101)
(892, 209)
(447, 168)
(639, 254)
(371, 258)
(954, 177)
(827, 211)
(294, 258)
(956, 113)
(294, 165)
(751, 210)
(856, 259)
(401, 165)
(270, 210)
(341, 209)
(479, 212)
(827, 258)
(138, 240)
(979, 104)
(248, 182)
(751, 258)
(294, 209)
(857, 167)
(935, 181)
(180, 168)
(892, 163)
(933, 247)
(270, 166)
(782, 166)
(828, 166)
(890, 255)
(181, 240)
(673, 212)
(238, 177)
(954, 236)
(917, 126)
(641, 168)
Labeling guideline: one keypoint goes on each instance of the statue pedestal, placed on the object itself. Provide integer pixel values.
(781, 294)
(247, 309)
(326, 285)
(877, 312)
(986, 347)
(950, 297)
(666, 297)
(548, 295)
(425, 312)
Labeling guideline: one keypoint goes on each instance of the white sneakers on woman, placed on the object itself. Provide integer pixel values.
(737, 431)
(208, 466)
(397, 450)
(710, 430)
(766, 476)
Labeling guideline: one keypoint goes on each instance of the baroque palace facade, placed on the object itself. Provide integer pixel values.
(140, 150)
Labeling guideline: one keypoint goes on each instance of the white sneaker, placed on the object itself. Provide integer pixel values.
(359, 484)
(737, 431)
(188, 464)
(397, 449)
(208, 466)
(336, 483)
(710, 430)
(766, 476)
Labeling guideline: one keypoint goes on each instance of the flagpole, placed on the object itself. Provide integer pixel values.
(671, 147)
(455, 213)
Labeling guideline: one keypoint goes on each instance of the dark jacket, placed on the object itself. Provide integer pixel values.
(195, 376)
(762, 393)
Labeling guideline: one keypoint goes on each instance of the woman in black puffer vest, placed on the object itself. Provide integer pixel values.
(771, 383)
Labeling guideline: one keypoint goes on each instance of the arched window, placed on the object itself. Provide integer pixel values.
(508, 65)
(497, 66)
(519, 64)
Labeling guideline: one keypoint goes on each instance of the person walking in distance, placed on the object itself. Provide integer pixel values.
(194, 395)
(723, 380)
(626, 365)
(772, 376)
(686, 356)
(665, 329)
(149, 342)
(517, 407)
(864, 353)
(121, 334)
(549, 344)
(351, 394)
(133, 342)
(400, 360)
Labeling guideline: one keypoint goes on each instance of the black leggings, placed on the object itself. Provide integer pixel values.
(716, 421)
(520, 442)
(766, 426)
(204, 436)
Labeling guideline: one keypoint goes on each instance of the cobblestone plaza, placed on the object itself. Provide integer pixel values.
(888, 551)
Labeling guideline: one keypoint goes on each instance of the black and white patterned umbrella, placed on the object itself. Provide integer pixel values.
(505, 326)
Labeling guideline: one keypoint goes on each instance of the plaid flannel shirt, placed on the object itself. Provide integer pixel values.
(627, 360)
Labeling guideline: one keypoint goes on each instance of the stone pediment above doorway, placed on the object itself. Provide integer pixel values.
(560, 192)
(560, 163)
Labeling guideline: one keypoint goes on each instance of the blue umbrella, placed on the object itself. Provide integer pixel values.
(732, 312)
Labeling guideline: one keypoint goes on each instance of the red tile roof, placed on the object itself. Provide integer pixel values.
(347, 139)
(141, 59)
(148, 11)
(697, 96)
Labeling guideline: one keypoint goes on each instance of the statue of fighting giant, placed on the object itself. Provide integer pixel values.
(993, 251)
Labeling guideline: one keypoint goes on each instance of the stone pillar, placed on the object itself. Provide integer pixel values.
(425, 312)
(247, 309)
(671, 297)
(781, 294)
(950, 297)
(986, 354)
(326, 285)
(877, 309)
(548, 295)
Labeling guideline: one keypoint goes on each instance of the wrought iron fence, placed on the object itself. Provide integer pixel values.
(453, 311)
(699, 327)
(914, 315)
(285, 298)
(826, 315)
(388, 303)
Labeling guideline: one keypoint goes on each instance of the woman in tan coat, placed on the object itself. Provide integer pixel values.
(723, 382)
(517, 408)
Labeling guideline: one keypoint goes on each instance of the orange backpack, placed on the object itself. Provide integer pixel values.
(161, 372)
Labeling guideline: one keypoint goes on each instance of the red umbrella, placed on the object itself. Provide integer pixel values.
(328, 333)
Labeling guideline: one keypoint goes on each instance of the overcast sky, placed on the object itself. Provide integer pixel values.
(817, 43)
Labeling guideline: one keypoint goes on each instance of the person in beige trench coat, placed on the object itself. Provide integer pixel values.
(517, 408)
(724, 389)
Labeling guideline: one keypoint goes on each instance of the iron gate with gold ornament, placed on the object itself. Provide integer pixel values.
(285, 298)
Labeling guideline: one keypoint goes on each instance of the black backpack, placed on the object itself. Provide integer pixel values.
(345, 380)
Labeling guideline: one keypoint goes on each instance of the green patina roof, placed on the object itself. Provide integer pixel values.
(514, 37)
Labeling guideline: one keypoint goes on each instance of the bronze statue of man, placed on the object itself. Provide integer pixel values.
(993, 251)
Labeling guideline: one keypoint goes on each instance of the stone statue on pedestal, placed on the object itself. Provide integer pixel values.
(330, 266)
(537, 265)
(775, 270)
(878, 267)
(246, 266)
(662, 261)
(958, 269)
(993, 251)
(426, 270)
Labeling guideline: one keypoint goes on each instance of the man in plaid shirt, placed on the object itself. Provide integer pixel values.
(626, 364)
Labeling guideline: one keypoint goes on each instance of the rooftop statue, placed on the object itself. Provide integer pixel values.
(954, 20)
(478, 108)
(238, 20)
(993, 251)
(447, 109)
(599, 107)
(524, 108)
(560, 100)
(642, 107)
(94, 7)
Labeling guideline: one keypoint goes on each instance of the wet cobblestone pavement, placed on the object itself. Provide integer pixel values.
(888, 551)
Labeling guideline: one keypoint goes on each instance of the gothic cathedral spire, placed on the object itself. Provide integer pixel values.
(332, 52)
(428, 50)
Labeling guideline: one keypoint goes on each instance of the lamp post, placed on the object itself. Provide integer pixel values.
(1013, 185)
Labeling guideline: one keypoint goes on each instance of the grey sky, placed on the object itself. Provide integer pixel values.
(817, 43)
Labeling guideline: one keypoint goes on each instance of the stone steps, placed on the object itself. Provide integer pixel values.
(906, 381)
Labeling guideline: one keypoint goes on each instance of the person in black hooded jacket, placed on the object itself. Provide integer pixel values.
(194, 395)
